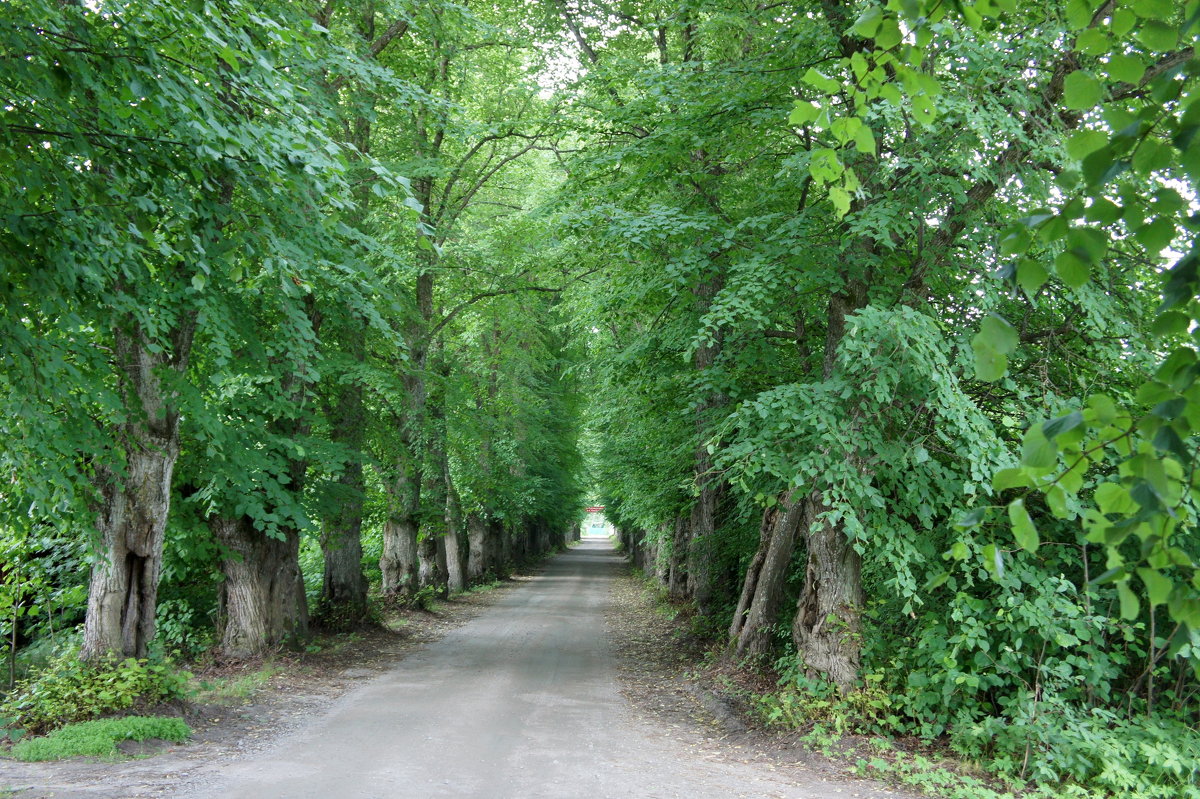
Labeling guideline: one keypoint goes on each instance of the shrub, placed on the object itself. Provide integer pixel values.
(99, 738)
(71, 690)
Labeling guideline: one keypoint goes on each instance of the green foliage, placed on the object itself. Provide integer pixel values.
(181, 630)
(69, 690)
(100, 738)
(801, 702)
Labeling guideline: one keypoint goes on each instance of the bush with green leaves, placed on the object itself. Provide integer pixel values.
(69, 689)
(99, 738)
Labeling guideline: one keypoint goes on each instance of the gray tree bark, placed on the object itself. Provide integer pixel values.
(123, 593)
(262, 601)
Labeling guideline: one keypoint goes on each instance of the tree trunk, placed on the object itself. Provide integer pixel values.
(456, 554)
(398, 563)
(477, 542)
(702, 524)
(828, 628)
(702, 533)
(677, 579)
(344, 587)
(766, 578)
(124, 585)
(123, 594)
(262, 601)
(431, 570)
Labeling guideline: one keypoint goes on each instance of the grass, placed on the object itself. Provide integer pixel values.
(99, 738)
(224, 690)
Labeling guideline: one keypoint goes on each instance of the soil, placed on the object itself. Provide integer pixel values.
(303, 686)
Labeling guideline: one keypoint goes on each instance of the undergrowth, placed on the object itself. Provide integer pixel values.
(1059, 751)
(99, 738)
(69, 689)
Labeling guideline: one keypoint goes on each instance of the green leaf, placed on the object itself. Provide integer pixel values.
(1072, 269)
(840, 199)
(803, 113)
(1158, 36)
(1129, 601)
(864, 140)
(1036, 451)
(1125, 68)
(1158, 587)
(1081, 91)
(1113, 498)
(868, 22)
(1154, 9)
(971, 519)
(888, 35)
(1015, 477)
(1085, 142)
(1063, 424)
(998, 333)
(1079, 14)
(1031, 276)
(821, 82)
(993, 560)
(1022, 524)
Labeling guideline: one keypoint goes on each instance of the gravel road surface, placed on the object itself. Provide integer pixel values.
(522, 702)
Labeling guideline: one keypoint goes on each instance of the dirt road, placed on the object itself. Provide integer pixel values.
(520, 702)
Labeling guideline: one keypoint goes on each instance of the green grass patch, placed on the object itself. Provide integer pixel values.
(99, 738)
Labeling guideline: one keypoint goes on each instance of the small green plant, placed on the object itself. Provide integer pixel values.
(99, 738)
(425, 598)
(239, 689)
(69, 689)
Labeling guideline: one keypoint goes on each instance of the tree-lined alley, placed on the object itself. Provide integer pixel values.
(870, 325)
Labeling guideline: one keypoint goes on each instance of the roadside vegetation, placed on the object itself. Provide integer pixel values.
(873, 326)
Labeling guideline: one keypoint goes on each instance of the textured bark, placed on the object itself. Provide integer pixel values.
(344, 586)
(123, 593)
(662, 560)
(454, 542)
(677, 579)
(828, 625)
(826, 628)
(398, 563)
(478, 562)
(262, 602)
(702, 528)
(124, 584)
(431, 568)
(766, 578)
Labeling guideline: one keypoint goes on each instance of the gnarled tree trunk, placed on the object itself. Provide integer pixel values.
(262, 601)
(766, 577)
(828, 625)
(398, 563)
(123, 594)
(478, 562)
